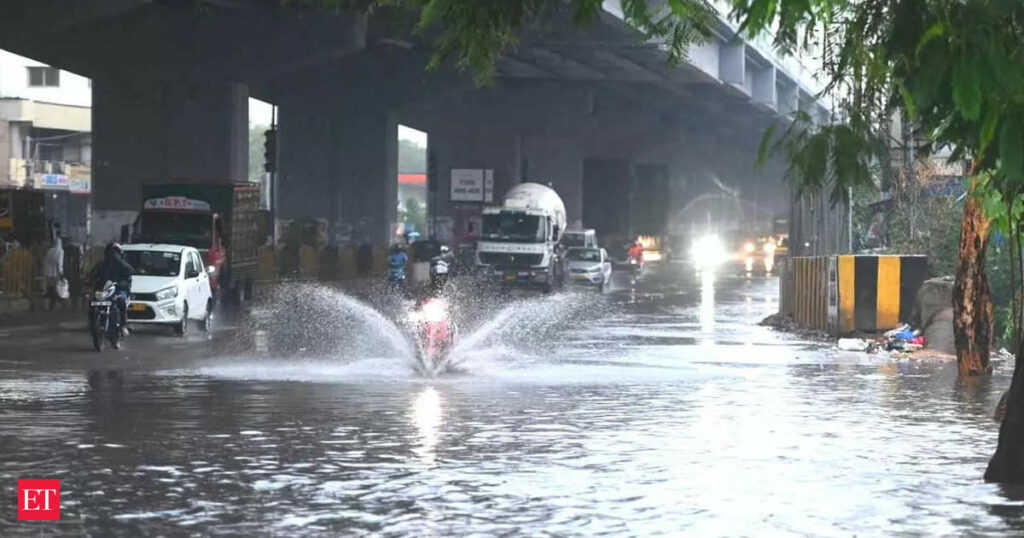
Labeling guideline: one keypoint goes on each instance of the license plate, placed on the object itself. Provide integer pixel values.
(580, 277)
(99, 303)
(510, 276)
(137, 307)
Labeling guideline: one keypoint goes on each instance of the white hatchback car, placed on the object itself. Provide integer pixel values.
(170, 286)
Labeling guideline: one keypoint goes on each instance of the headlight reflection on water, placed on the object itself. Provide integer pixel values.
(427, 417)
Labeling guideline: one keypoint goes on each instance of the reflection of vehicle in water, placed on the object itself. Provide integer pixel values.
(519, 239)
(434, 332)
(590, 266)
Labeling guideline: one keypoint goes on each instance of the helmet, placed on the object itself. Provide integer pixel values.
(114, 248)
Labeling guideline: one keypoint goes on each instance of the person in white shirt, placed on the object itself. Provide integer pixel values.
(53, 270)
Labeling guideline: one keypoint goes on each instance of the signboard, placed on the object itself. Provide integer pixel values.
(53, 181)
(467, 185)
(176, 202)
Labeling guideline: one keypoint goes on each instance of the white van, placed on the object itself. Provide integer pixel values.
(586, 238)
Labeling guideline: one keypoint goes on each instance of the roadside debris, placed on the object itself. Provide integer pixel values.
(900, 342)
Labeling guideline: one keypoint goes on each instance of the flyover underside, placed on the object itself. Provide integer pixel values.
(170, 84)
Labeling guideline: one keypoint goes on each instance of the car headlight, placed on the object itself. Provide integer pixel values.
(594, 270)
(167, 293)
(99, 295)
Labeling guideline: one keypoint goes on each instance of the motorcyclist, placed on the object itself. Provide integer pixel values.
(115, 269)
(396, 265)
(440, 269)
(636, 252)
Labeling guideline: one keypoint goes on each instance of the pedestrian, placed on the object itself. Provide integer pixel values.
(53, 270)
(73, 273)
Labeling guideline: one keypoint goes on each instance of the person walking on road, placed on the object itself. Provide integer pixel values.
(53, 270)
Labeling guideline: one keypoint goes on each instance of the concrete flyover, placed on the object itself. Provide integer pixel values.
(573, 107)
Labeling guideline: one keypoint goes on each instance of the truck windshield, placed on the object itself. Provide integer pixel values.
(517, 227)
(583, 255)
(189, 229)
(572, 239)
(153, 263)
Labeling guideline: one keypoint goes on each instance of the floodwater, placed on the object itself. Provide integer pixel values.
(628, 414)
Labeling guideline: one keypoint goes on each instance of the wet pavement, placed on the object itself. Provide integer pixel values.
(658, 411)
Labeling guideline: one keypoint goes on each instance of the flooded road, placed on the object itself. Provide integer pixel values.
(629, 414)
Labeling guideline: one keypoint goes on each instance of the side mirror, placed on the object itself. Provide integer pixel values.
(211, 269)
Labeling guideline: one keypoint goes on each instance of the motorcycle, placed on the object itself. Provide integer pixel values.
(434, 332)
(637, 267)
(106, 312)
(439, 270)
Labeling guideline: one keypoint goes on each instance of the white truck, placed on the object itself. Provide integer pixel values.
(519, 240)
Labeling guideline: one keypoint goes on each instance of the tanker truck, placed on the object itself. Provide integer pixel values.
(519, 240)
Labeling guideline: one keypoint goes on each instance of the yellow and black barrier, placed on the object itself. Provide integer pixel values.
(844, 294)
(877, 293)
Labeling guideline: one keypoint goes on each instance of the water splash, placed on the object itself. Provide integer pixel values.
(314, 321)
(521, 330)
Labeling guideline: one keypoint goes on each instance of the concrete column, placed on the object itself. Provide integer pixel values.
(339, 162)
(367, 167)
(162, 131)
(558, 162)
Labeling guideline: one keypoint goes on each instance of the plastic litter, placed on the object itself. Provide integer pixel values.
(854, 344)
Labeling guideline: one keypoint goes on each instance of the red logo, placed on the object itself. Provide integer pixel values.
(39, 500)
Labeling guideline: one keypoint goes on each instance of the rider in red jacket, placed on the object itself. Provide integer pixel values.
(636, 251)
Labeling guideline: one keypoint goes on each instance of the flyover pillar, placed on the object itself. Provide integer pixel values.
(162, 130)
(339, 163)
(558, 162)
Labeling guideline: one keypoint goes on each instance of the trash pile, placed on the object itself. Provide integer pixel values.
(897, 342)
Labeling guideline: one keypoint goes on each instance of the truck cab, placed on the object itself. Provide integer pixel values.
(519, 240)
(586, 238)
(186, 222)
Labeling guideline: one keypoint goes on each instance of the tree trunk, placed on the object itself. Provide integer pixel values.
(972, 309)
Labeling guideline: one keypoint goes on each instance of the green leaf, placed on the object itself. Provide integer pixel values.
(936, 30)
(966, 90)
(1011, 149)
(988, 130)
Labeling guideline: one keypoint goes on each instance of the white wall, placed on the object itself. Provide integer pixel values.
(73, 89)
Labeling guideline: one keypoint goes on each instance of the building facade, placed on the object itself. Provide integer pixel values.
(45, 139)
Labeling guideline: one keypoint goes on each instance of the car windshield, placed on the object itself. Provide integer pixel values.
(583, 255)
(513, 227)
(190, 229)
(154, 262)
(574, 239)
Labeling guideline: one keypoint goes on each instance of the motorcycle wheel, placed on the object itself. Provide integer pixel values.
(96, 329)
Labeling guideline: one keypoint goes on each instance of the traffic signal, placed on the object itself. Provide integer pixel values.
(270, 150)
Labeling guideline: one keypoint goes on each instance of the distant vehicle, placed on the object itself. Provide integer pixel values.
(579, 238)
(519, 240)
(652, 248)
(222, 220)
(170, 286)
(589, 266)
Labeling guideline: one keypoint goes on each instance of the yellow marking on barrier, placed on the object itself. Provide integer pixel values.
(888, 300)
(847, 319)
